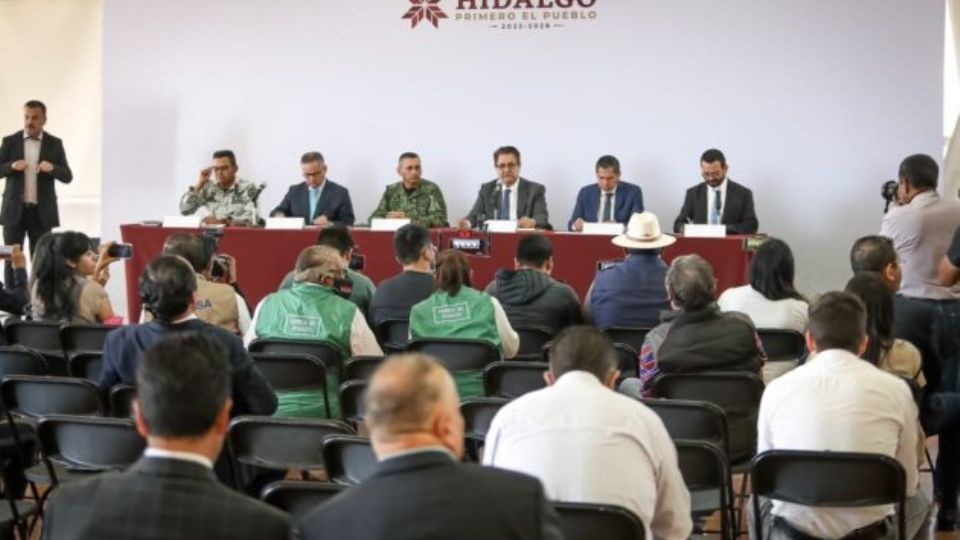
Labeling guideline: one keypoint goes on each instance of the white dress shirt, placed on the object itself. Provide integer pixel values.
(784, 314)
(613, 204)
(711, 196)
(151, 452)
(587, 443)
(31, 154)
(513, 199)
(839, 402)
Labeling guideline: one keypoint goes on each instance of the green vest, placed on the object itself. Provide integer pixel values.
(363, 288)
(468, 315)
(307, 312)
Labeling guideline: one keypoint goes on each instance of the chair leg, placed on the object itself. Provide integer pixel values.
(741, 500)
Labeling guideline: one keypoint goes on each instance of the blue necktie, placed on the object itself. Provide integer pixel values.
(314, 199)
(607, 210)
(504, 212)
(717, 204)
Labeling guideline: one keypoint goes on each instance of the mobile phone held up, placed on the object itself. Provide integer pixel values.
(120, 251)
(6, 252)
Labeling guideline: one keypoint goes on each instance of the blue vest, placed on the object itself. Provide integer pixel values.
(631, 293)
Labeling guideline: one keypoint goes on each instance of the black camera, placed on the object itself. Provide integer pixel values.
(219, 266)
(357, 262)
(889, 193)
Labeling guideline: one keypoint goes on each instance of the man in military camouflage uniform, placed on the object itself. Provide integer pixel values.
(230, 200)
(414, 197)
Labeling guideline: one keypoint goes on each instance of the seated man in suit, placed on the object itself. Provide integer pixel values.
(509, 196)
(724, 203)
(550, 433)
(420, 489)
(183, 410)
(318, 200)
(413, 197)
(609, 200)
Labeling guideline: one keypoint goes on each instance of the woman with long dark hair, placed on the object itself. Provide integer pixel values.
(770, 300)
(68, 279)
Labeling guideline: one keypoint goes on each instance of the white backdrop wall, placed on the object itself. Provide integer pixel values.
(813, 101)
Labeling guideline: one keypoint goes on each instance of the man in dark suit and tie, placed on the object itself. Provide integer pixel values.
(609, 200)
(183, 410)
(420, 490)
(719, 200)
(318, 200)
(31, 160)
(509, 197)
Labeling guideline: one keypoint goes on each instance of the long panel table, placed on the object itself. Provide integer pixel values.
(265, 256)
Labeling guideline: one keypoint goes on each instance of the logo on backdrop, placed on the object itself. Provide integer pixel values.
(505, 14)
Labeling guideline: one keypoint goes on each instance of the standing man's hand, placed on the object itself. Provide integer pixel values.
(526, 223)
(463, 224)
(578, 225)
(204, 177)
(17, 258)
(19, 165)
(321, 221)
(45, 166)
(231, 264)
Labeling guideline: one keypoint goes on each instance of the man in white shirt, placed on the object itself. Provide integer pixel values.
(838, 402)
(587, 443)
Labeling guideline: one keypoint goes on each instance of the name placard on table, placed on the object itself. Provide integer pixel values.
(602, 229)
(388, 224)
(696, 230)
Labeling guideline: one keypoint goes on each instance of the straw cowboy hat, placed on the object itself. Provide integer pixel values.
(643, 232)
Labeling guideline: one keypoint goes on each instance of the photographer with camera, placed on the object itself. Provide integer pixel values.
(219, 301)
(921, 225)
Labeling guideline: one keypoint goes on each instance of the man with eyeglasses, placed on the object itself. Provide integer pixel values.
(719, 200)
(318, 200)
(509, 196)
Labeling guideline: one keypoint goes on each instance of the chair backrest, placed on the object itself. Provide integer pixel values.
(531, 342)
(705, 469)
(39, 335)
(352, 407)
(90, 444)
(83, 337)
(121, 400)
(628, 360)
(299, 498)
(361, 368)
(85, 365)
(294, 372)
(478, 413)
(324, 351)
(458, 354)
(394, 334)
(41, 396)
(782, 344)
(18, 360)
(630, 336)
(839, 479)
(512, 379)
(583, 521)
(692, 420)
(736, 393)
(281, 443)
(349, 459)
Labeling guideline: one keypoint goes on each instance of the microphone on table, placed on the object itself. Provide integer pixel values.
(258, 191)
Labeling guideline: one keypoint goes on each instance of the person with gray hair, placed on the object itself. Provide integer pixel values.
(318, 200)
(550, 433)
(420, 490)
(697, 337)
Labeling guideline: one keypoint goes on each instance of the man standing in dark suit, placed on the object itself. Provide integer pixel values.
(420, 490)
(318, 200)
(609, 200)
(724, 203)
(509, 197)
(183, 410)
(31, 160)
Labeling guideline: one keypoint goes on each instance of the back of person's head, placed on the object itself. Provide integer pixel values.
(872, 253)
(182, 385)
(838, 320)
(772, 271)
(412, 395)
(409, 242)
(533, 251)
(318, 262)
(55, 262)
(336, 236)
(690, 282)
(920, 171)
(453, 271)
(583, 348)
(191, 247)
(878, 302)
(713, 155)
(167, 286)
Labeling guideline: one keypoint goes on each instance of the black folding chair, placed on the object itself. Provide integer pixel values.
(394, 334)
(627, 360)
(705, 472)
(350, 459)
(121, 400)
(631, 336)
(85, 365)
(351, 401)
(299, 498)
(77, 338)
(837, 479)
(281, 443)
(19, 360)
(34, 396)
(74, 446)
(583, 521)
(477, 415)
(293, 372)
(532, 341)
(512, 379)
(458, 354)
(15, 514)
(782, 344)
(43, 337)
(324, 351)
(361, 368)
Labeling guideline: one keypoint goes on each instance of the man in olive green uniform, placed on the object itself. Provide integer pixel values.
(414, 197)
(229, 199)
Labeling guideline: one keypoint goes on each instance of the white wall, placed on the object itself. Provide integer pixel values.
(813, 101)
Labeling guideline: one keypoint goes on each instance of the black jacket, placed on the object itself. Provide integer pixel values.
(738, 213)
(51, 149)
(532, 299)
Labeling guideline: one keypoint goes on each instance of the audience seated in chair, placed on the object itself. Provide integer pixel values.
(68, 280)
(395, 296)
(420, 489)
(183, 410)
(578, 419)
(14, 294)
(529, 296)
